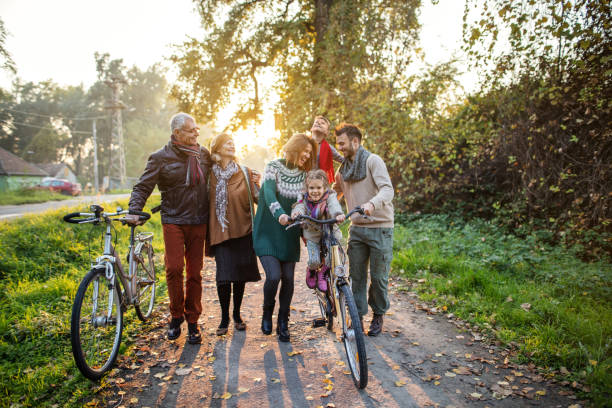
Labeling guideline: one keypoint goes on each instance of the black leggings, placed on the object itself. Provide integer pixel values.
(278, 271)
(224, 290)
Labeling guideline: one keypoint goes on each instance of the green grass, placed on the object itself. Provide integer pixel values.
(483, 275)
(42, 261)
(30, 196)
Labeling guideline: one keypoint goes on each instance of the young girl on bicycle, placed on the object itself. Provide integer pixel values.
(318, 202)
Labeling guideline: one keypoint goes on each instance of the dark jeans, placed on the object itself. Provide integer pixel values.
(278, 272)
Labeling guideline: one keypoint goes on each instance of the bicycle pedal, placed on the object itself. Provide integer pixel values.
(319, 322)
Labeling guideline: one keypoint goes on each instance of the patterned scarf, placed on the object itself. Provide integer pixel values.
(355, 170)
(317, 208)
(222, 175)
(195, 175)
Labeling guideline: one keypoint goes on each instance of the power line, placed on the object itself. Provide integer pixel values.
(44, 127)
(52, 116)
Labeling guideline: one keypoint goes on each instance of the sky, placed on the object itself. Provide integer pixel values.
(57, 39)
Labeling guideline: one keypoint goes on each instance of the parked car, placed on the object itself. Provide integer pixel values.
(60, 185)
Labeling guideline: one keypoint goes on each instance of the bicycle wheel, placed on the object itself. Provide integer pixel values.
(352, 336)
(96, 324)
(145, 282)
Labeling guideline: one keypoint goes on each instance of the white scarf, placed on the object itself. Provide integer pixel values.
(222, 175)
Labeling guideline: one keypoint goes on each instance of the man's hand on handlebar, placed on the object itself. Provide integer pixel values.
(340, 218)
(368, 208)
(133, 219)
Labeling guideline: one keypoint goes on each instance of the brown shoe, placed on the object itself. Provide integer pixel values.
(376, 325)
(221, 331)
(241, 326)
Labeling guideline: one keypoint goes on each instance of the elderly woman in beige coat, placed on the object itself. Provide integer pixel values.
(233, 190)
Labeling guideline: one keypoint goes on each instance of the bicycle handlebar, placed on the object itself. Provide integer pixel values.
(96, 216)
(328, 221)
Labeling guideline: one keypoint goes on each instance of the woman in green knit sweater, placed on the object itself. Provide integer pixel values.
(279, 249)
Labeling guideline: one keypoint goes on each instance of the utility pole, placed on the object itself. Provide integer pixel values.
(117, 148)
(95, 158)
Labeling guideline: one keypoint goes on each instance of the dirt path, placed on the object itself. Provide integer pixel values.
(421, 359)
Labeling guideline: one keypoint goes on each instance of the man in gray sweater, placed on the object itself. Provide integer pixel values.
(364, 181)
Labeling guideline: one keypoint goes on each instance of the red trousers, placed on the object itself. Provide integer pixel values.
(184, 247)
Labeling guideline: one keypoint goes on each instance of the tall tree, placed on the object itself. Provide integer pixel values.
(6, 60)
(326, 56)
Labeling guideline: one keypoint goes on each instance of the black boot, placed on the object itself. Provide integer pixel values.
(282, 327)
(266, 319)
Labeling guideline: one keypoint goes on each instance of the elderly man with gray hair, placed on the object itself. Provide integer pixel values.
(180, 170)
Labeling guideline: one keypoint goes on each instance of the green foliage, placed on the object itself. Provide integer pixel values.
(47, 123)
(30, 196)
(485, 276)
(328, 57)
(532, 149)
(42, 260)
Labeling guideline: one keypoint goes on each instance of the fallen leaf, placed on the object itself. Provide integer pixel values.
(346, 372)
(593, 362)
(211, 359)
(541, 392)
(212, 377)
(309, 398)
(159, 375)
(436, 382)
(414, 343)
(449, 374)
(226, 396)
(183, 371)
(243, 390)
(475, 395)
(340, 363)
(293, 353)
(399, 383)
(438, 354)
(275, 380)
(257, 379)
(462, 370)
(525, 306)
(330, 405)
(262, 345)
(133, 400)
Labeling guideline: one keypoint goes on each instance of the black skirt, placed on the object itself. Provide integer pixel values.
(236, 260)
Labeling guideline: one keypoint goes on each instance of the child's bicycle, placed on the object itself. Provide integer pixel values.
(97, 312)
(339, 297)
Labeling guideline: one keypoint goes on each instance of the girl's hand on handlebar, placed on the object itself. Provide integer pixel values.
(340, 218)
(368, 208)
(284, 219)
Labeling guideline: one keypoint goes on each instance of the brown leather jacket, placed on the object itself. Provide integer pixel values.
(180, 204)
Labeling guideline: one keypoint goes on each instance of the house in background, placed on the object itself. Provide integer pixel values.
(58, 170)
(16, 173)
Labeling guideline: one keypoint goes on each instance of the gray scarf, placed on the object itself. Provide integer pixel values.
(355, 170)
(222, 175)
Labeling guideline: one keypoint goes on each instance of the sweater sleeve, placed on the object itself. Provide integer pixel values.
(333, 205)
(299, 208)
(269, 191)
(336, 155)
(381, 179)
